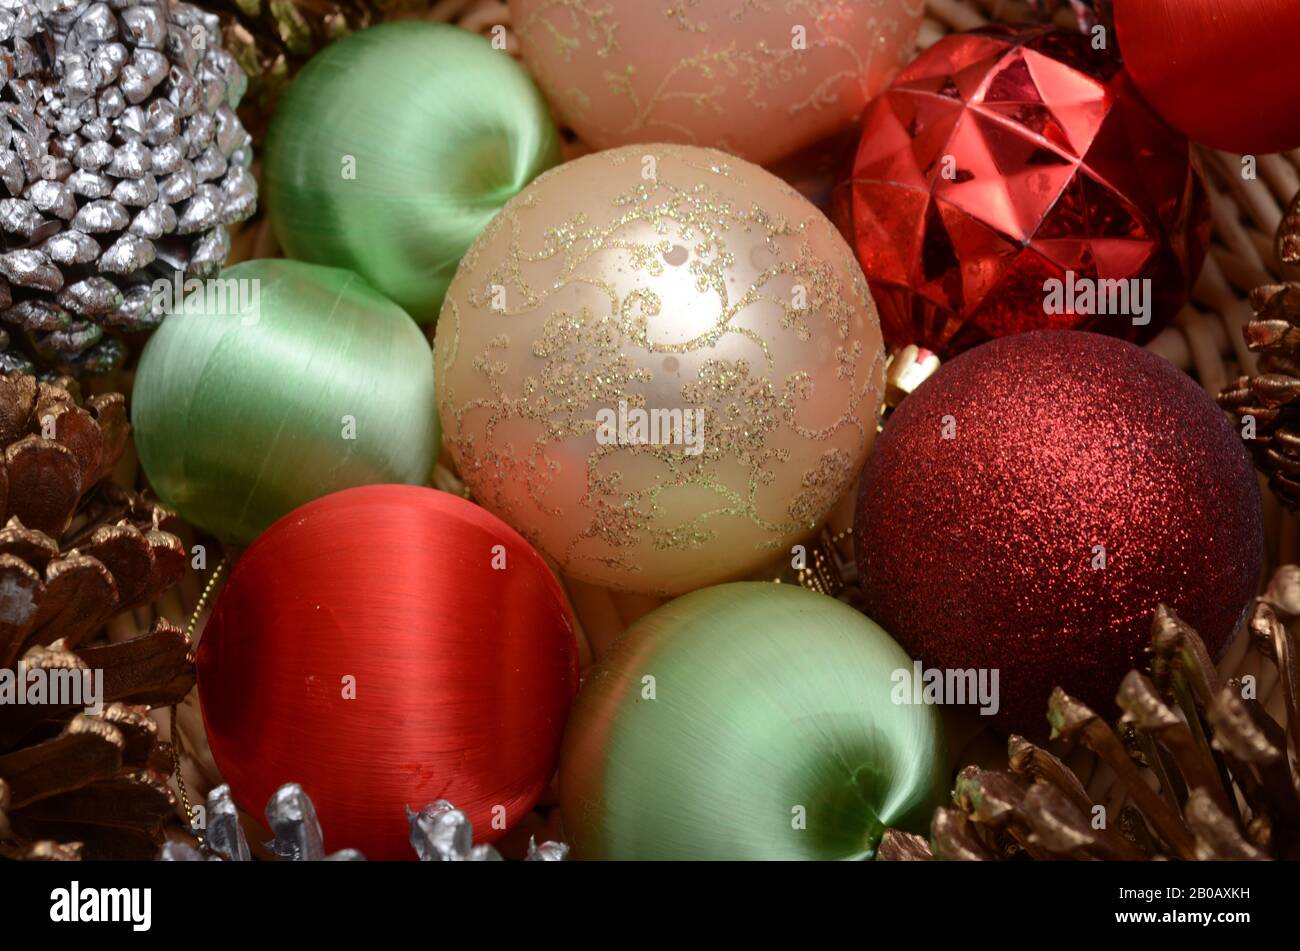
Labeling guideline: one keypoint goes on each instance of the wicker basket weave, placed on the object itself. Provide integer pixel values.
(1205, 340)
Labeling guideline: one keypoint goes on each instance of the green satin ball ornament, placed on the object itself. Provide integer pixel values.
(748, 721)
(394, 147)
(277, 384)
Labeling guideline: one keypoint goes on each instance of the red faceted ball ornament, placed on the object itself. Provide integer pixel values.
(1012, 179)
(1223, 72)
(1028, 507)
(389, 646)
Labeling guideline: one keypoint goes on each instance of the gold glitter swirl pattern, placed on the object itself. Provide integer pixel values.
(759, 78)
(666, 280)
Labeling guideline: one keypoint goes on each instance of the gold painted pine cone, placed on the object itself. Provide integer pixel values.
(76, 549)
(1271, 397)
(273, 39)
(1226, 784)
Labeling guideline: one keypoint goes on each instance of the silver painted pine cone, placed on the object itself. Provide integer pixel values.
(439, 833)
(122, 161)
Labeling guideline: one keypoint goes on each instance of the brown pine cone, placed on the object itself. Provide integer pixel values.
(1288, 235)
(76, 549)
(1225, 789)
(1269, 402)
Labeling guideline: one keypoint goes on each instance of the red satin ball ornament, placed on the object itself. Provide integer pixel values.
(1028, 507)
(1225, 73)
(1004, 159)
(388, 646)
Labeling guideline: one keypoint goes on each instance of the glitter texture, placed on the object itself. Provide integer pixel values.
(669, 278)
(1001, 159)
(979, 550)
(754, 78)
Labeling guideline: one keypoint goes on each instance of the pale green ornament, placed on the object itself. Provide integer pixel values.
(748, 721)
(277, 384)
(394, 148)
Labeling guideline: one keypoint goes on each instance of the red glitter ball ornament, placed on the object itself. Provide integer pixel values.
(1028, 507)
(389, 646)
(1004, 159)
(1224, 73)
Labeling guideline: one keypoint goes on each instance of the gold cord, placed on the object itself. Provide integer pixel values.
(822, 575)
(176, 732)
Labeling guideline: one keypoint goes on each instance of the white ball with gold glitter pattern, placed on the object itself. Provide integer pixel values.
(758, 78)
(662, 365)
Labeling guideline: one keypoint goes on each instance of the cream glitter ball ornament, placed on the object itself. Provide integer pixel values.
(758, 78)
(662, 365)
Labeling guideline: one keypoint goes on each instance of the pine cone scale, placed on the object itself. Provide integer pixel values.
(23, 590)
(109, 563)
(140, 732)
(133, 799)
(1225, 787)
(17, 720)
(88, 749)
(272, 39)
(44, 483)
(75, 551)
(155, 670)
(79, 597)
(1283, 459)
(31, 546)
(127, 555)
(17, 398)
(109, 412)
(124, 161)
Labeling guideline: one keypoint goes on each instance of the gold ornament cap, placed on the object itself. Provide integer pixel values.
(907, 369)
